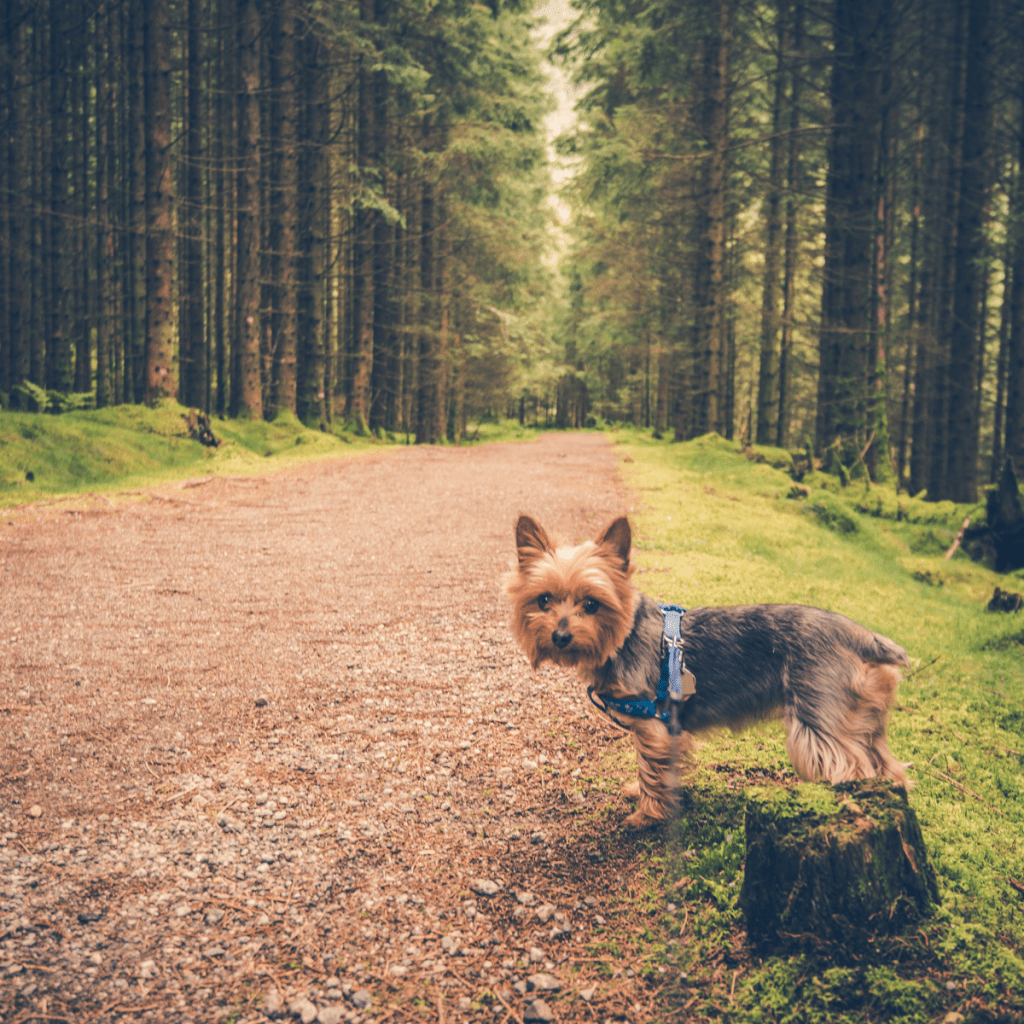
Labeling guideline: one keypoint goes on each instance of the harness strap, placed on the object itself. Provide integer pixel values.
(675, 683)
(637, 707)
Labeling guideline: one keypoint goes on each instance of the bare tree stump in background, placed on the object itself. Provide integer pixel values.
(833, 868)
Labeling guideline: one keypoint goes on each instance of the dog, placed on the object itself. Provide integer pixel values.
(832, 680)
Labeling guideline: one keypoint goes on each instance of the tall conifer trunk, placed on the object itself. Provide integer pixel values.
(58, 354)
(247, 267)
(20, 294)
(962, 478)
(1014, 430)
(846, 329)
(768, 370)
(363, 253)
(382, 377)
(790, 268)
(313, 237)
(284, 185)
(711, 340)
(159, 381)
(952, 126)
(195, 321)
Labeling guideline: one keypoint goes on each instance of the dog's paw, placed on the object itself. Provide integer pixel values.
(638, 821)
(631, 790)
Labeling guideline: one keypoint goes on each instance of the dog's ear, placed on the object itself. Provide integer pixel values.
(617, 539)
(531, 540)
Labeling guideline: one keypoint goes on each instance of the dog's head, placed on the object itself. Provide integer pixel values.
(572, 605)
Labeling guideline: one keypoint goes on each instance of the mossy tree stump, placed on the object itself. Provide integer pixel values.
(833, 868)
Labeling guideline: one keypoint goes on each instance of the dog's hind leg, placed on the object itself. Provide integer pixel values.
(657, 756)
(845, 739)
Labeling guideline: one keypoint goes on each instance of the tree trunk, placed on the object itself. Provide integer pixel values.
(427, 414)
(40, 136)
(952, 123)
(19, 239)
(912, 300)
(221, 130)
(58, 354)
(962, 477)
(767, 378)
(312, 405)
(846, 329)
(383, 374)
(363, 256)
(877, 458)
(101, 215)
(789, 272)
(711, 341)
(247, 272)
(194, 325)
(284, 185)
(159, 200)
(1002, 364)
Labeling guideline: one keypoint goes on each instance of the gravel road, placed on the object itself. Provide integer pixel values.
(267, 750)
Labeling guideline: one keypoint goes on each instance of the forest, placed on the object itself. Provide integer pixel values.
(795, 223)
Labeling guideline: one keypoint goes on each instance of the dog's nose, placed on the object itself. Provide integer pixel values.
(561, 638)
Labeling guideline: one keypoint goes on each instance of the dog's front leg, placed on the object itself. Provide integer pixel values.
(657, 755)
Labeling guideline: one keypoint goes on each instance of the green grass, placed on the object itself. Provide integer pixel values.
(131, 446)
(714, 527)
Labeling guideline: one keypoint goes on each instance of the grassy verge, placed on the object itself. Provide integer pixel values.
(714, 527)
(131, 446)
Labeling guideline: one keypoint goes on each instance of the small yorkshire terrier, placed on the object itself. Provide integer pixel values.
(832, 680)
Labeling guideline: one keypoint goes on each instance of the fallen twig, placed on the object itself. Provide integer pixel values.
(964, 789)
(921, 668)
(1016, 885)
(512, 1013)
(178, 796)
(732, 989)
(959, 537)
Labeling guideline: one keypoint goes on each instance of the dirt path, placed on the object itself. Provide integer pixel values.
(267, 734)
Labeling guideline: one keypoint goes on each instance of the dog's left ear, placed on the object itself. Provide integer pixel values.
(617, 539)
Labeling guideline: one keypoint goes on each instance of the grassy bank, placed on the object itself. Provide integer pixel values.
(713, 527)
(132, 446)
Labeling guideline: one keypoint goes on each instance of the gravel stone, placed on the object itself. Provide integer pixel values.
(543, 983)
(485, 887)
(273, 1005)
(538, 1010)
(331, 1015)
(303, 1009)
(361, 999)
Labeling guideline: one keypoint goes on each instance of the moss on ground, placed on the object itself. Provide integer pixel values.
(133, 446)
(715, 527)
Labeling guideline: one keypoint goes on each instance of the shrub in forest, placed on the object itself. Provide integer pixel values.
(832, 512)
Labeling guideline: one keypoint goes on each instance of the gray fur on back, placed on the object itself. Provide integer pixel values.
(750, 660)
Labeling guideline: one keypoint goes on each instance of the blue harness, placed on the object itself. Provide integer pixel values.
(675, 684)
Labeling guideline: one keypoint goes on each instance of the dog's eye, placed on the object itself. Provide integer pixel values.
(543, 601)
(590, 606)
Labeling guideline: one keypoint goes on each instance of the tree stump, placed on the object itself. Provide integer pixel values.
(1005, 516)
(833, 869)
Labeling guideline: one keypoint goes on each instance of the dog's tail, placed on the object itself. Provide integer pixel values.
(883, 651)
